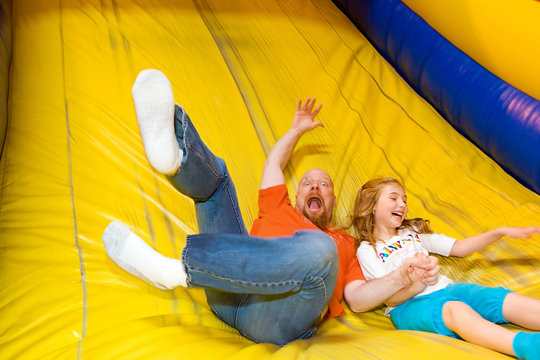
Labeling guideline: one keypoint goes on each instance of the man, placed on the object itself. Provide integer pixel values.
(275, 285)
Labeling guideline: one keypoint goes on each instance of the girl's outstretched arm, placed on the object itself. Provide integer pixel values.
(474, 243)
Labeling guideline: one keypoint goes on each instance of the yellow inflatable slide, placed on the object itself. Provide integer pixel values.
(72, 161)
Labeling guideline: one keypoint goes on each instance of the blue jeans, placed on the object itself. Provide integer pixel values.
(270, 289)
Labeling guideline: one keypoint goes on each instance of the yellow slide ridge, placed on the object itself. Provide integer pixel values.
(73, 161)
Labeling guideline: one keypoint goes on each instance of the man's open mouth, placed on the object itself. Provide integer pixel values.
(314, 203)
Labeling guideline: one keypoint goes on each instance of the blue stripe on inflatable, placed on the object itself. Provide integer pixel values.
(501, 120)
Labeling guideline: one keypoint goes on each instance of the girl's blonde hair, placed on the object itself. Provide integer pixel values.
(362, 220)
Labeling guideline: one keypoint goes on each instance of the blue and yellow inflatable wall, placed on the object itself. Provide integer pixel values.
(433, 100)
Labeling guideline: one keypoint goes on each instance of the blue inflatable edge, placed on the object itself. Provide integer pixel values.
(501, 120)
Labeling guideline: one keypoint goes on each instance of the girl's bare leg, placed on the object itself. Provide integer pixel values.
(522, 310)
(467, 323)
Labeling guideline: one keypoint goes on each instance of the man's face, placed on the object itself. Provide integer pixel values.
(315, 197)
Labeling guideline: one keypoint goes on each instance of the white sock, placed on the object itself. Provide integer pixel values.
(154, 106)
(132, 254)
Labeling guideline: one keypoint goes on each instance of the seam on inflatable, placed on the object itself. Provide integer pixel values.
(72, 193)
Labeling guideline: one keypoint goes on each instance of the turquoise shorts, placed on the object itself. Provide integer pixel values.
(424, 313)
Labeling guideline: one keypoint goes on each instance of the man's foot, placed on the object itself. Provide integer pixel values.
(132, 254)
(154, 106)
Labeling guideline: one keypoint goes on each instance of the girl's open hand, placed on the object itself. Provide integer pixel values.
(516, 232)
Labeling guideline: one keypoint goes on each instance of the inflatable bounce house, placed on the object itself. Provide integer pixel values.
(443, 95)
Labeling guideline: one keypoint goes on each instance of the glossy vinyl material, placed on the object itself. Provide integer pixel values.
(73, 161)
(500, 119)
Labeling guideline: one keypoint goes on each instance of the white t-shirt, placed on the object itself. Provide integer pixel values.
(392, 253)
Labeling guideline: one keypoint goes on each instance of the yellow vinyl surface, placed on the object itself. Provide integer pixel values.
(73, 161)
(501, 35)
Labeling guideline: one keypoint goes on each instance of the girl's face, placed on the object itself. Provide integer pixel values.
(391, 207)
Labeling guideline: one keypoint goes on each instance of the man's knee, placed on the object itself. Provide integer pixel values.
(318, 244)
(320, 251)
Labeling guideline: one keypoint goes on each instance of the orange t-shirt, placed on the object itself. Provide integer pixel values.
(277, 217)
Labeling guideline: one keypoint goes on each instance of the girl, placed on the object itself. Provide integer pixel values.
(459, 310)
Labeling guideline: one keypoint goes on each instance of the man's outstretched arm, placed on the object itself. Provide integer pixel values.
(282, 150)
